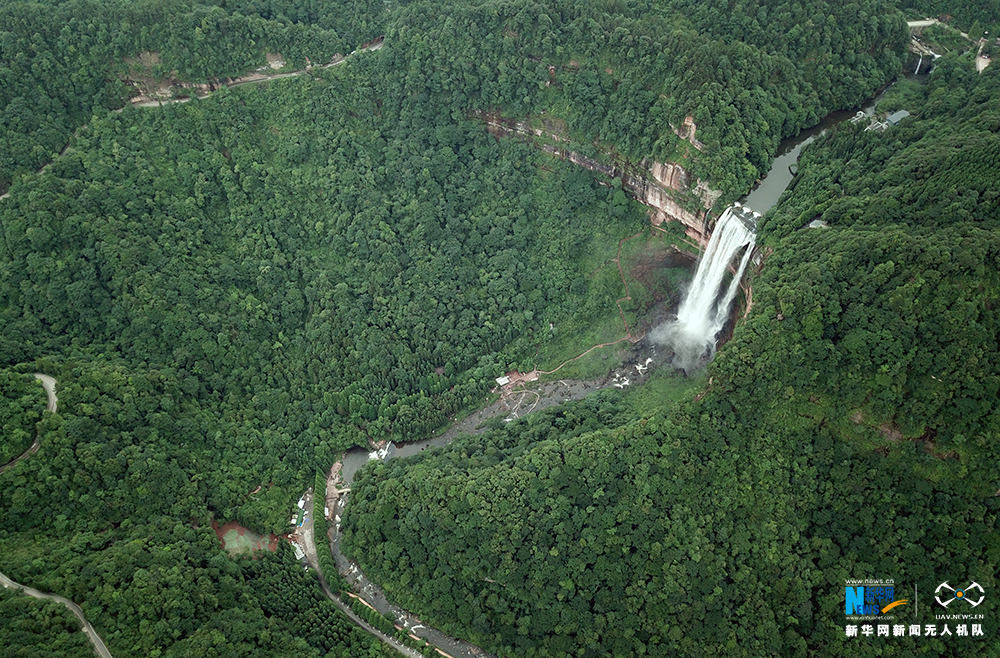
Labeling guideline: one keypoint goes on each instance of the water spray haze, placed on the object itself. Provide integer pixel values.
(704, 310)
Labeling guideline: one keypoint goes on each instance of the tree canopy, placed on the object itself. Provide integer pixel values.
(848, 431)
(234, 290)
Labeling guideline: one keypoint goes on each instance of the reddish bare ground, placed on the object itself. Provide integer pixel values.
(267, 542)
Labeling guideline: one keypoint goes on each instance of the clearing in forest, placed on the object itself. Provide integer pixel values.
(237, 539)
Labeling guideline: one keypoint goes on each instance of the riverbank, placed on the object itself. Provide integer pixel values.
(516, 400)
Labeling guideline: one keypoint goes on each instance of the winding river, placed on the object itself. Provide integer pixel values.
(762, 197)
(508, 408)
(765, 194)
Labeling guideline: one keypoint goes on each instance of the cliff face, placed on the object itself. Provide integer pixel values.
(657, 185)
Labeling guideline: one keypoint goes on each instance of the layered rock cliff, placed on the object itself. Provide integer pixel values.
(662, 186)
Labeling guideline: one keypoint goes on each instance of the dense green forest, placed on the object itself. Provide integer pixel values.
(164, 588)
(234, 290)
(969, 15)
(290, 269)
(21, 406)
(654, 64)
(63, 62)
(31, 628)
(849, 430)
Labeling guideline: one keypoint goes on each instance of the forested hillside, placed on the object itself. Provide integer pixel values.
(20, 409)
(234, 290)
(849, 431)
(969, 15)
(647, 62)
(63, 62)
(30, 628)
(293, 276)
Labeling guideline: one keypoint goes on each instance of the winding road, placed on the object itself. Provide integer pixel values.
(308, 543)
(255, 78)
(99, 648)
(92, 635)
(374, 597)
(50, 391)
(306, 531)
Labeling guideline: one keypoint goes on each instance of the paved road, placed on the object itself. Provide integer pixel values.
(92, 635)
(373, 595)
(50, 391)
(547, 394)
(307, 540)
(49, 384)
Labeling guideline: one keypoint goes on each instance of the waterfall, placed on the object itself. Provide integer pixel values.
(919, 62)
(703, 312)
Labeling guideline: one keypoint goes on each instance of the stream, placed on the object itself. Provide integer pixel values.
(509, 408)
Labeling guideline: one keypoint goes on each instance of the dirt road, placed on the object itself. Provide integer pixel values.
(982, 61)
(246, 80)
(255, 78)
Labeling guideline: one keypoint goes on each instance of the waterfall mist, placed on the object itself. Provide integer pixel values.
(704, 311)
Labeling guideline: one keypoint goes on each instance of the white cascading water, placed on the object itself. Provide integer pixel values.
(703, 312)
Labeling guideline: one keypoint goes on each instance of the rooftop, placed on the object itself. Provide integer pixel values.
(897, 116)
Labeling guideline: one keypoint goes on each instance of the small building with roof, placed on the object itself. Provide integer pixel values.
(897, 116)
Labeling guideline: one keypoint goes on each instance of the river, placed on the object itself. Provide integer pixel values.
(765, 194)
(762, 197)
(515, 404)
